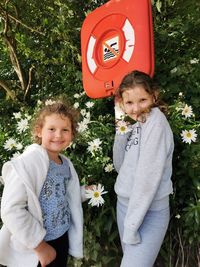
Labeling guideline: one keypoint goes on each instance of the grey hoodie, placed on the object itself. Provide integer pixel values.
(143, 159)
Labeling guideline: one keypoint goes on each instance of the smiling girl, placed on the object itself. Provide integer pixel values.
(143, 160)
(41, 204)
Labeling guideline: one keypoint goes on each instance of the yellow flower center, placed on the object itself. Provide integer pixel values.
(188, 135)
(122, 128)
(96, 194)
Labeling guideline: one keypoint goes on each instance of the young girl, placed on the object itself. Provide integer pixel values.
(41, 204)
(143, 160)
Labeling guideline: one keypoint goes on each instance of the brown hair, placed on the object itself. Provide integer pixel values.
(139, 78)
(60, 107)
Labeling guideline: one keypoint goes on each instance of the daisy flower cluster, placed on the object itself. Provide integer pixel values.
(184, 120)
(16, 141)
(85, 112)
(87, 129)
(92, 135)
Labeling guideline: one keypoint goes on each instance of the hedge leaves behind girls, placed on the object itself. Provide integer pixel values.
(41, 204)
(143, 160)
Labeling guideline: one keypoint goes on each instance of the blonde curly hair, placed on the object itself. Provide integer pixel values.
(60, 107)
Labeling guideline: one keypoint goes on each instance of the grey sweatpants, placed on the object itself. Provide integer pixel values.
(152, 232)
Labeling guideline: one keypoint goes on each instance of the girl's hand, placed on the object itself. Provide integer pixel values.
(46, 253)
(89, 187)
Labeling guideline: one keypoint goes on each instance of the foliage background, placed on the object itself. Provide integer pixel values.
(40, 58)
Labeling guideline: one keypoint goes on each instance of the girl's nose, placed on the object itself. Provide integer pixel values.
(135, 108)
(58, 133)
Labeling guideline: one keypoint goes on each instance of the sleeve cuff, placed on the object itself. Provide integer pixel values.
(131, 236)
(83, 198)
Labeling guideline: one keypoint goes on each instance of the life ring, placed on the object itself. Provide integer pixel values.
(106, 49)
(115, 39)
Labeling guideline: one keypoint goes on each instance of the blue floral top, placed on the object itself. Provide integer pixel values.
(53, 200)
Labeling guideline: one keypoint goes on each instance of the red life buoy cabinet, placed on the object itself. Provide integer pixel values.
(116, 38)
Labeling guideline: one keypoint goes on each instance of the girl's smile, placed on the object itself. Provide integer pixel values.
(56, 134)
(136, 101)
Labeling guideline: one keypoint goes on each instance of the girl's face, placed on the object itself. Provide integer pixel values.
(56, 134)
(136, 101)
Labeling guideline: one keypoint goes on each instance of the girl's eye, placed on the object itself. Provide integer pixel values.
(66, 130)
(51, 129)
(143, 99)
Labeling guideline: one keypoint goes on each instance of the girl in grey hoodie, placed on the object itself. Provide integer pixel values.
(143, 159)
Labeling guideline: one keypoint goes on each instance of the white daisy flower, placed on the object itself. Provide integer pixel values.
(187, 111)
(28, 116)
(189, 136)
(83, 125)
(94, 145)
(109, 167)
(22, 125)
(19, 146)
(122, 127)
(89, 104)
(174, 70)
(178, 216)
(10, 144)
(39, 102)
(17, 115)
(83, 93)
(83, 112)
(95, 195)
(76, 105)
(180, 94)
(88, 115)
(194, 61)
(77, 96)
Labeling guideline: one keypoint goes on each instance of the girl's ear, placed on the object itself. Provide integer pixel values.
(119, 102)
(155, 96)
(117, 99)
(38, 132)
(121, 105)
